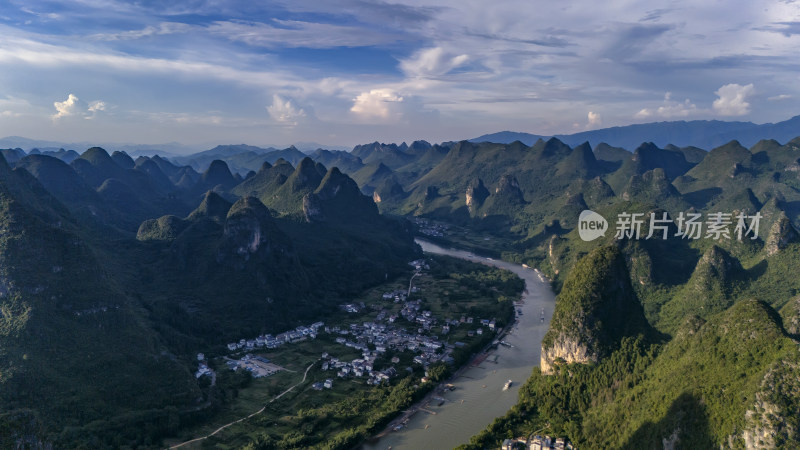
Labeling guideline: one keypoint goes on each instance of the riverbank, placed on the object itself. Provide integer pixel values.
(442, 388)
(478, 397)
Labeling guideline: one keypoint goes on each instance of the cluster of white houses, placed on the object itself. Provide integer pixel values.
(537, 443)
(358, 368)
(373, 339)
(300, 333)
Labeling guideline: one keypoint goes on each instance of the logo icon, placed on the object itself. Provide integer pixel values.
(591, 225)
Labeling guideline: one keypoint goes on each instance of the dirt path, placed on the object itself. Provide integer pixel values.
(305, 375)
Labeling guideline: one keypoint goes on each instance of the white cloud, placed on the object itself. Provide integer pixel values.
(75, 107)
(284, 111)
(294, 33)
(202, 119)
(594, 119)
(480, 69)
(45, 55)
(779, 97)
(41, 15)
(432, 62)
(669, 109)
(97, 105)
(17, 107)
(732, 99)
(69, 107)
(377, 103)
(163, 28)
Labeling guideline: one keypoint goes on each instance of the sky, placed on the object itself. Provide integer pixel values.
(350, 72)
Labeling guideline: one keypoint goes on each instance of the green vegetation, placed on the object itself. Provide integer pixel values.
(99, 330)
(675, 340)
(698, 387)
(708, 365)
(352, 411)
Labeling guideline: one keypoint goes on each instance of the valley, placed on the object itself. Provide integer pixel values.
(355, 350)
(150, 264)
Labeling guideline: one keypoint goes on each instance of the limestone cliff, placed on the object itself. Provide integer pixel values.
(595, 309)
(475, 195)
(388, 191)
(780, 235)
(771, 420)
(248, 229)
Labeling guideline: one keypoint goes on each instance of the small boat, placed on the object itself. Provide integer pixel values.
(507, 385)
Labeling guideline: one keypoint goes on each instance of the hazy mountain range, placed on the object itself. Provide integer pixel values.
(705, 134)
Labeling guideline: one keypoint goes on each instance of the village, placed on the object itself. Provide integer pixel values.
(429, 228)
(410, 329)
(537, 443)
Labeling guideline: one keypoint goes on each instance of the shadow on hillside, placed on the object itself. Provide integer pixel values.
(700, 199)
(686, 418)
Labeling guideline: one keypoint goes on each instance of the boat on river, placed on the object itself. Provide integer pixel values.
(507, 385)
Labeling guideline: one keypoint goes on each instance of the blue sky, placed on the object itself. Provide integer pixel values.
(349, 72)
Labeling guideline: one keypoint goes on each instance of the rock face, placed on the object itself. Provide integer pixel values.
(247, 230)
(388, 190)
(431, 192)
(640, 264)
(553, 258)
(791, 316)
(312, 209)
(476, 194)
(596, 308)
(766, 421)
(508, 186)
(565, 350)
(780, 235)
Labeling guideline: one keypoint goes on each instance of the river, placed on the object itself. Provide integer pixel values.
(479, 397)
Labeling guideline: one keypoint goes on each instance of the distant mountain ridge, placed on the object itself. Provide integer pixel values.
(705, 134)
